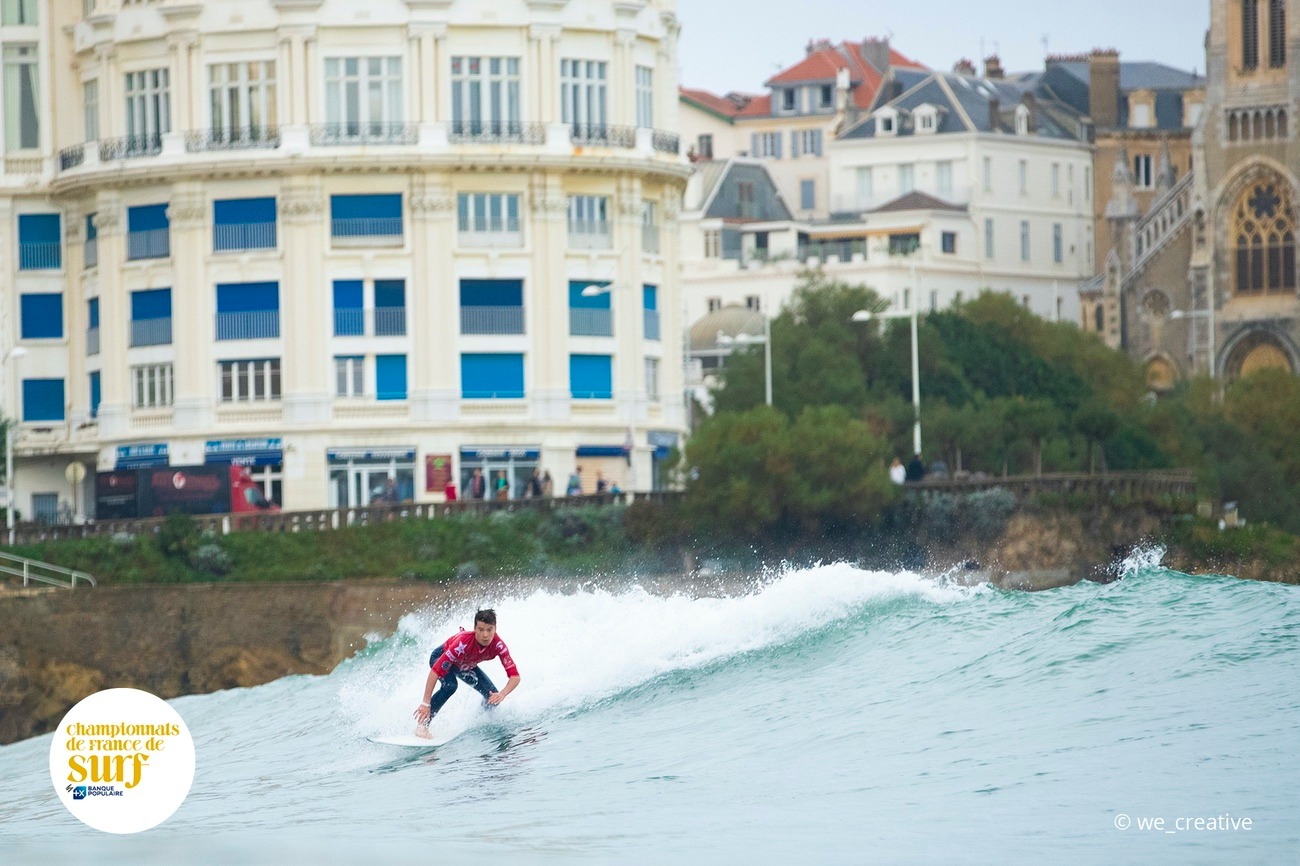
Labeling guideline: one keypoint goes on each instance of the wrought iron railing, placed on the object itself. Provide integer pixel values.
(478, 132)
(251, 137)
(149, 244)
(603, 135)
(666, 142)
(243, 236)
(491, 320)
(71, 157)
(151, 332)
(651, 324)
(390, 321)
(91, 252)
(590, 323)
(371, 227)
(354, 133)
(130, 146)
(40, 256)
(256, 325)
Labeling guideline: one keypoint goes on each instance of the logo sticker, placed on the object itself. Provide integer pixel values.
(122, 761)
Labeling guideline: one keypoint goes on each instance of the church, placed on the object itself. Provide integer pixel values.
(1204, 281)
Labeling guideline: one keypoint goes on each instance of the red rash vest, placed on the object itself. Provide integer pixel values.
(463, 651)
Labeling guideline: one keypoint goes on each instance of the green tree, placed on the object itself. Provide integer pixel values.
(1096, 422)
(741, 473)
(841, 470)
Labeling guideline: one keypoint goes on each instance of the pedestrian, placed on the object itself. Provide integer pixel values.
(602, 486)
(503, 488)
(535, 485)
(477, 485)
(574, 487)
(915, 468)
(548, 484)
(897, 472)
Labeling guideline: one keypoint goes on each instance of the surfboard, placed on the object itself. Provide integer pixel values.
(410, 741)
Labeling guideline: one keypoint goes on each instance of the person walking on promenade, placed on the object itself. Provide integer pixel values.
(897, 472)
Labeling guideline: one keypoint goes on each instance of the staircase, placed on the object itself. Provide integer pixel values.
(31, 570)
(1166, 218)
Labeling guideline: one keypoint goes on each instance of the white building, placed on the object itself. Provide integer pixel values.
(340, 241)
(957, 185)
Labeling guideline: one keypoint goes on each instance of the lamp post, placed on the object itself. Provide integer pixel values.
(867, 316)
(14, 355)
(751, 340)
(1201, 314)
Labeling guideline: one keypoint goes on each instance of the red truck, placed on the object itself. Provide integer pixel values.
(161, 490)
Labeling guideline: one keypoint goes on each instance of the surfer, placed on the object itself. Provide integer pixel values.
(459, 657)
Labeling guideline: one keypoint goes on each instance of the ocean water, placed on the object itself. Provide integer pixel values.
(828, 713)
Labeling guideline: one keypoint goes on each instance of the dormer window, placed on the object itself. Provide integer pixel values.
(1022, 120)
(787, 99)
(887, 122)
(927, 119)
(827, 96)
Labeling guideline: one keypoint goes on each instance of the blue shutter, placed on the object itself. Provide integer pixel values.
(491, 293)
(491, 376)
(366, 215)
(807, 194)
(241, 211)
(92, 311)
(591, 377)
(147, 218)
(777, 139)
(579, 301)
(390, 293)
(94, 394)
(42, 399)
(390, 377)
(243, 224)
(42, 316)
(794, 144)
(348, 302)
(817, 142)
(248, 297)
(40, 244)
(150, 304)
(650, 297)
(92, 233)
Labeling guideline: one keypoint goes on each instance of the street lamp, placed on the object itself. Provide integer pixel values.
(1200, 314)
(867, 316)
(14, 354)
(753, 340)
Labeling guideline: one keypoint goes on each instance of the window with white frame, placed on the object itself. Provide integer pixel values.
(988, 237)
(652, 378)
(589, 219)
(1140, 116)
(1058, 244)
(242, 99)
(18, 13)
(866, 186)
(906, 179)
(152, 386)
(489, 214)
(753, 302)
(248, 381)
(826, 93)
(714, 304)
(21, 98)
(1142, 176)
(90, 109)
(789, 99)
(806, 142)
(649, 228)
(767, 145)
(363, 95)
(583, 92)
(645, 97)
(1024, 240)
(349, 376)
(712, 244)
(925, 122)
(148, 103)
(943, 179)
(486, 95)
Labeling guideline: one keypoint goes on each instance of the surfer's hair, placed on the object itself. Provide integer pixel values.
(487, 615)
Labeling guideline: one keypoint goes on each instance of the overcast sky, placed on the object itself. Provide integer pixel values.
(738, 44)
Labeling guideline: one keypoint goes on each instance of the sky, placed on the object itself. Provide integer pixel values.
(738, 44)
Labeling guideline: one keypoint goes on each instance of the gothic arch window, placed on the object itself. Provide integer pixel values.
(1099, 318)
(1264, 237)
(1277, 33)
(1249, 35)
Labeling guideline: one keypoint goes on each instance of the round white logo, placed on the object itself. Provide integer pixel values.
(122, 761)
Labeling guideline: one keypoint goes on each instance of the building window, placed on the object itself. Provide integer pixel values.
(1249, 34)
(925, 122)
(934, 300)
(589, 226)
(148, 232)
(583, 96)
(491, 306)
(649, 228)
(590, 315)
(712, 244)
(39, 242)
(745, 204)
(1277, 33)
(652, 379)
(390, 308)
(888, 125)
(591, 377)
(904, 244)
(1058, 244)
(18, 13)
(349, 308)
(806, 142)
(645, 97)
(374, 217)
(92, 327)
(489, 219)
(485, 96)
(250, 381)
(753, 302)
(151, 317)
(349, 376)
(22, 116)
(906, 179)
(1139, 115)
(1024, 240)
(948, 242)
(491, 376)
(704, 147)
(1265, 240)
(714, 304)
(153, 386)
(1056, 180)
(43, 400)
(650, 311)
(42, 316)
(943, 179)
(390, 377)
(243, 224)
(807, 194)
(95, 393)
(363, 98)
(242, 97)
(988, 174)
(1142, 178)
(248, 311)
(866, 187)
(988, 237)
(90, 109)
(148, 110)
(1024, 177)
(766, 145)
(788, 99)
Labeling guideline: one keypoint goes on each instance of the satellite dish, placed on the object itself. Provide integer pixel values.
(75, 472)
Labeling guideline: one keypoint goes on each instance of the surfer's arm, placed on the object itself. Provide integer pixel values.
(498, 697)
(422, 713)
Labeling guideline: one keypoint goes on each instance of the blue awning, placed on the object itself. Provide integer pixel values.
(601, 451)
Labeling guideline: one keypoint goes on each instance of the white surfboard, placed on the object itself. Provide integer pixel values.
(410, 741)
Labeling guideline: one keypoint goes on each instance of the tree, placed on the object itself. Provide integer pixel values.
(1033, 420)
(741, 473)
(1096, 423)
(842, 471)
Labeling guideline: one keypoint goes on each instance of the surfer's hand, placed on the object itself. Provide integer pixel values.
(422, 714)
(496, 698)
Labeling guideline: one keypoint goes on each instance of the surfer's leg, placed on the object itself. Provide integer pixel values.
(480, 682)
(447, 688)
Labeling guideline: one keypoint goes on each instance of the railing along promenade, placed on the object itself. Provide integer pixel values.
(1132, 485)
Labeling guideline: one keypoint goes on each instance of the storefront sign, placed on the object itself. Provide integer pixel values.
(141, 456)
(504, 453)
(437, 472)
(343, 455)
(244, 452)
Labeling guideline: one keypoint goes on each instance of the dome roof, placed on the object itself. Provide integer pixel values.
(731, 320)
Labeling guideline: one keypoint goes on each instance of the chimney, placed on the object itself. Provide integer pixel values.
(876, 52)
(964, 67)
(1103, 88)
(993, 67)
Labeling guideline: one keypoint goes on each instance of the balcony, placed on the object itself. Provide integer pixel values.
(130, 147)
(602, 135)
(590, 323)
(491, 320)
(390, 321)
(504, 234)
(40, 256)
(71, 157)
(149, 244)
(651, 324)
(384, 322)
(91, 253)
(590, 235)
(823, 250)
(151, 332)
(666, 142)
(356, 133)
(237, 237)
(257, 325)
(385, 228)
(477, 132)
(92, 341)
(249, 138)
(650, 239)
